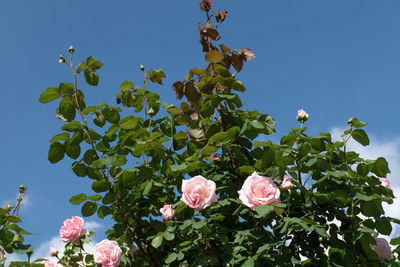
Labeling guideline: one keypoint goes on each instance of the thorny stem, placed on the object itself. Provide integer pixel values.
(228, 149)
(297, 163)
(146, 252)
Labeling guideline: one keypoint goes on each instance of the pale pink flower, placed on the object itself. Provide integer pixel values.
(49, 263)
(286, 184)
(259, 190)
(382, 248)
(72, 230)
(302, 116)
(385, 182)
(168, 212)
(198, 192)
(53, 251)
(248, 54)
(107, 253)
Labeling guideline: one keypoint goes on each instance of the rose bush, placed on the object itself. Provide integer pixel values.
(204, 157)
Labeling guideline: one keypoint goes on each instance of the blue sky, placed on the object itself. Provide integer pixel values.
(335, 59)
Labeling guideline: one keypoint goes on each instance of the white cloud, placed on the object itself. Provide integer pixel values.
(44, 249)
(92, 225)
(390, 150)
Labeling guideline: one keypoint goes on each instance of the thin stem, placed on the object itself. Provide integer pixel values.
(105, 176)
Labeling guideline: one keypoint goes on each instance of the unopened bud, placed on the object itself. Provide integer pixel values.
(302, 116)
(71, 49)
(151, 111)
(141, 67)
(53, 251)
(8, 207)
(62, 59)
(22, 188)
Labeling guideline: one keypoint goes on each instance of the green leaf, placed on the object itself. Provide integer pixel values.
(79, 169)
(91, 77)
(49, 95)
(356, 123)
(371, 208)
(362, 169)
(118, 160)
(89, 156)
(66, 89)
(89, 208)
(94, 64)
(23, 248)
(157, 75)
(180, 140)
(100, 186)
(380, 167)
(94, 197)
(78, 199)
(148, 187)
(248, 263)
(99, 119)
(72, 150)
(199, 224)
(383, 227)
(264, 209)
(171, 258)
(157, 241)
(168, 236)
(56, 152)
(130, 124)
(66, 109)
(80, 67)
(59, 137)
(395, 241)
(126, 85)
(111, 115)
(72, 126)
(103, 211)
(214, 56)
(360, 136)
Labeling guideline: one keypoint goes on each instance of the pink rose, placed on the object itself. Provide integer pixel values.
(168, 212)
(259, 190)
(49, 263)
(53, 251)
(302, 116)
(385, 182)
(382, 248)
(287, 184)
(72, 230)
(107, 253)
(198, 192)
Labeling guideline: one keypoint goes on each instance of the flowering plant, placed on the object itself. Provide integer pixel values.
(200, 166)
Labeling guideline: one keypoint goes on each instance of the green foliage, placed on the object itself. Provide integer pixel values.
(138, 160)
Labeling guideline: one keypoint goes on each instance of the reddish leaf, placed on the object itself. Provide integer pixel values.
(237, 62)
(214, 56)
(178, 89)
(221, 16)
